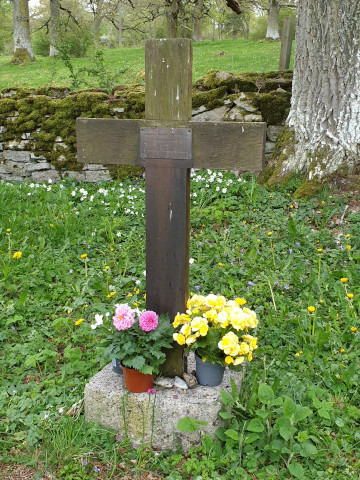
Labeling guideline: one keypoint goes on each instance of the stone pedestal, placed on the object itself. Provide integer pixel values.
(109, 404)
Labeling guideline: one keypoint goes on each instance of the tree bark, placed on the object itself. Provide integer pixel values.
(198, 19)
(325, 108)
(21, 30)
(98, 20)
(172, 8)
(120, 23)
(54, 26)
(272, 32)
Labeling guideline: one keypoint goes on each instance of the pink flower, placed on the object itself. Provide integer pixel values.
(148, 321)
(151, 390)
(124, 317)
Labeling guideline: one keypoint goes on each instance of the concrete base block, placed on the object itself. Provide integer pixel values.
(109, 404)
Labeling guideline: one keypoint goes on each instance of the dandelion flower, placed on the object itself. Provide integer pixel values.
(83, 256)
(344, 280)
(79, 321)
(353, 329)
(17, 255)
(350, 295)
(311, 309)
(319, 250)
(269, 234)
(8, 230)
(348, 247)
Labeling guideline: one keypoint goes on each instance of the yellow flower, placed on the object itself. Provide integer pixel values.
(347, 235)
(311, 309)
(239, 360)
(250, 356)
(220, 264)
(51, 225)
(348, 247)
(342, 350)
(321, 301)
(107, 267)
(129, 294)
(229, 360)
(185, 330)
(83, 256)
(319, 250)
(229, 344)
(322, 203)
(179, 338)
(8, 230)
(350, 295)
(251, 340)
(344, 280)
(17, 255)
(240, 301)
(270, 233)
(79, 321)
(111, 249)
(353, 329)
(191, 339)
(199, 324)
(244, 348)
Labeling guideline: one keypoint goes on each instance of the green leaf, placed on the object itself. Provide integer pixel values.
(252, 438)
(232, 434)
(226, 397)
(72, 353)
(289, 407)
(225, 415)
(307, 449)
(296, 470)
(255, 425)
(287, 432)
(189, 424)
(302, 413)
(137, 362)
(265, 393)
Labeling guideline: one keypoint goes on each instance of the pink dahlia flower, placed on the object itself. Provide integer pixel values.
(148, 321)
(124, 317)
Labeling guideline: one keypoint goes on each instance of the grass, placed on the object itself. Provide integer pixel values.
(229, 55)
(297, 415)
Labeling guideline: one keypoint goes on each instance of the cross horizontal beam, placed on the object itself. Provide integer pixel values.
(215, 145)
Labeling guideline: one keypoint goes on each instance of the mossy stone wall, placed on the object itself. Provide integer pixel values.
(38, 126)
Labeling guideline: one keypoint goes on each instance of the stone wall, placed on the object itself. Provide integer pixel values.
(38, 134)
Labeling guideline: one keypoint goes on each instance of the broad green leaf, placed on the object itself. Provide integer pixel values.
(265, 393)
(296, 470)
(255, 425)
(232, 434)
(302, 413)
(252, 438)
(225, 415)
(189, 424)
(226, 397)
(289, 407)
(287, 432)
(308, 449)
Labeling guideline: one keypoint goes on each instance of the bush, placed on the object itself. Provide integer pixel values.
(258, 28)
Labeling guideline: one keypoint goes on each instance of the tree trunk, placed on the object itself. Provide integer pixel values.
(325, 108)
(172, 8)
(21, 29)
(54, 27)
(198, 19)
(272, 32)
(120, 23)
(97, 20)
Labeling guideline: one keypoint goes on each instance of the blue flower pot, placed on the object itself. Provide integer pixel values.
(116, 364)
(208, 373)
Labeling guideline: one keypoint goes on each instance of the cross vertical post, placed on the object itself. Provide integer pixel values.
(168, 70)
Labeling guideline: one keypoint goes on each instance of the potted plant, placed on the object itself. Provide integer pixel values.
(138, 339)
(216, 329)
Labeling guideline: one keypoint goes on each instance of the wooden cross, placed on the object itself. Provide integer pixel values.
(168, 144)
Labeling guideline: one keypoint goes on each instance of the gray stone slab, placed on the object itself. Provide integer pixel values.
(45, 176)
(109, 404)
(17, 156)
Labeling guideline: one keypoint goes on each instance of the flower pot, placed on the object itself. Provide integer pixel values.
(116, 364)
(208, 373)
(137, 382)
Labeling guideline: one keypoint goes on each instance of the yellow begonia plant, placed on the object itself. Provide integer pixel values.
(217, 329)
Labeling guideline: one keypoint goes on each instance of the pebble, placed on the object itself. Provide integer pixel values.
(180, 383)
(165, 382)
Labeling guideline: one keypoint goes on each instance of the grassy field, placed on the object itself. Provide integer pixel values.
(295, 263)
(124, 65)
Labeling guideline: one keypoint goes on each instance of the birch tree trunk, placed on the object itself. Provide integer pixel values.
(272, 31)
(198, 19)
(21, 30)
(54, 27)
(325, 108)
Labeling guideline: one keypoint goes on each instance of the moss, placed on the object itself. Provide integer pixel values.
(7, 106)
(308, 188)
(53, 92)
(210, 99)
(20, 92)
(274, 107)
(120, 172)
(233, 83)
(41, 104)
(265, 175)
(137, 101)
(22, 56)
(284, 147)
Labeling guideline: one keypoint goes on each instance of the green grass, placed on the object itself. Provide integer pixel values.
(237, 56)
(297, 415)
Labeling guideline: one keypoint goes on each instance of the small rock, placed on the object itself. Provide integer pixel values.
(180, 383)
(165, 382)
(190, 379)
